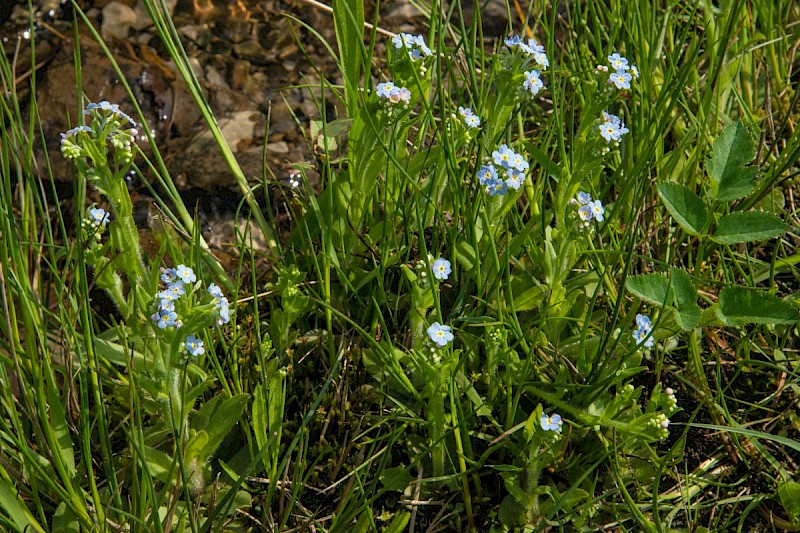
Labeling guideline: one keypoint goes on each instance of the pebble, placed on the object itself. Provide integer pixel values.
(117, 20)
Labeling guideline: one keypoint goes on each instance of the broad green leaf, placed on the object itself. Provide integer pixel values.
(217, 418)
(65, 520)
(395, 479)
(683, 286)
(733, 149)
(398, 523)
(685, 296)
(652, 288)
(739, 305)
(748, 226)
(789, 493)
(689, 317)
(685, 206)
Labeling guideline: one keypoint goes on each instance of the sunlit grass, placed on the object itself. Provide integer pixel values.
(335, 399)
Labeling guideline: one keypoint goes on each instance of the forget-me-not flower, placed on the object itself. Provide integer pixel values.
(618, 62)
(194, 346)
(440, 334)
(533, 82)
(185, 274)
(621, 79)
(441, 269)
(644, 327)
(551, 423)
(98, 216)
(487, 173)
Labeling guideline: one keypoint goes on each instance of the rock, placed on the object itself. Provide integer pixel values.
(143, 17)
(117, 20)
(279, 147)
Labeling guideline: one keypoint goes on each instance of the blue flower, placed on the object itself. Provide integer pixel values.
(214, 291)
(384, 89)
(173, 291)
(502, 156)
(640, 335)
(185, 274)
(166, 318)
(585, 212)
(515, 178)
(551, 423)
(105, 105)
(597, 210)
(644, 327)
(618, 62)
(441, 269)
(415, 44)
(223, 311)
(584, 198)
(613, 128)
(512, 40)
(621, 79)
(532, 82)
(99, 216)
(194, 346)
(496, 186)
(486, 174)
(440, 334)
(166, 305)
(167, 275)
(392, 94)
(472, 121)
(75, 131)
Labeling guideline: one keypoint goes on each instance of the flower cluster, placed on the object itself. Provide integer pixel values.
(672, 401)
(471, 120)
(177, 281)
(110, 109)
(414, 44)
(643, 329)
(551, 423)
(532, 48)
(589, 209)
(391, 94)
(622, 73)
(439, 334)
(220, 305)
(512, 164)
(121, 139)
(613, 128)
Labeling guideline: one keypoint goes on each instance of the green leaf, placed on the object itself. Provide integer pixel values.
(685, 296)
(652, 288)
(348, 21)
(685, 206)
(789, 493)
(65, 520)
(395, 479)
(739, 305)
(733, 149)
(217, 418)
(398, 523)
(748, 226)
